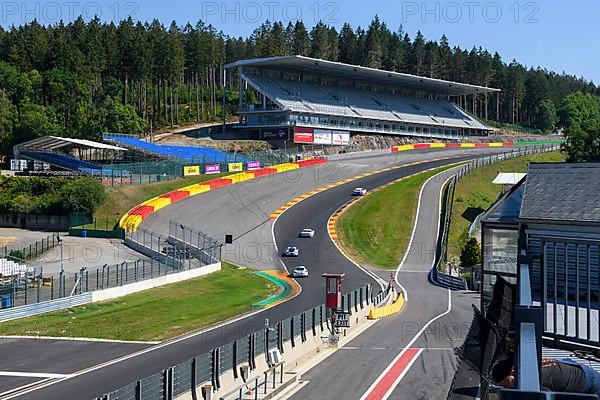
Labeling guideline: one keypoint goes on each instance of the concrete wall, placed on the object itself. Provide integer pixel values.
(53, 223)
(124, 290)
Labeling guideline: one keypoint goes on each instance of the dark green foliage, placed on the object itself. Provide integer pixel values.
(580, 117)
(82, 195)
(49, 195)
(471, 254)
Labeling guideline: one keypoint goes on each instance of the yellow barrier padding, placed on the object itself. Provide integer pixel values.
(285, 167)
(496, 144)
(405, 147)
(241, 177)
(131, 222)
(159, 202)
(467, 145)
(195, 189)
(437, 145)
(390, 309)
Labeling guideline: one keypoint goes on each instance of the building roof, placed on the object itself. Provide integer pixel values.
(506, 209)
(348, 71)
(49, 143)
(508, 178)
(562, 193)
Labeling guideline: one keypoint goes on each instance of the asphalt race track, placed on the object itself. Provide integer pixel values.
(366, 357)
(244, 210)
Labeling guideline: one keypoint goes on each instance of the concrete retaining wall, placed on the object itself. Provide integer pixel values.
(119, 291)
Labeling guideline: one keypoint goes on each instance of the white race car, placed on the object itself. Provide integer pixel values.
(307, 233)
(291, 251)
(300, 272)
(359, 192)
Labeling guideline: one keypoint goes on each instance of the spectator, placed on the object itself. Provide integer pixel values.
(562, 376)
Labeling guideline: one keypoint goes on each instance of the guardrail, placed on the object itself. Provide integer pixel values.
(222, 364)
(44, 307)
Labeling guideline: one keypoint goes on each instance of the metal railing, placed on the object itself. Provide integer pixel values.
(210, 367)
(37, 287)
(529, 320)
(31, 251)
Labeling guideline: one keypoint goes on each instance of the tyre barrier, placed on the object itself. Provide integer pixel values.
(134, 217)
(388, 310)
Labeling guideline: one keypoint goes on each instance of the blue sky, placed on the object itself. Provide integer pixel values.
(558, 35)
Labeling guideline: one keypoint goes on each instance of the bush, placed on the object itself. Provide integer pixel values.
(82, 195)
(471, 254)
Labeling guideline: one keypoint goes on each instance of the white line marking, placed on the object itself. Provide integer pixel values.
(33, 374)
(409, 345)
(414, 339)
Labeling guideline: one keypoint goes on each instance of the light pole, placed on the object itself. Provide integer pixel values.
(62, 268)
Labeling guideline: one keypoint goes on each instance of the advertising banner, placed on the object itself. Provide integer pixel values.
(322, 136)
(304, 135)
(280, 134)
(235, 167)
(252, 165)
(341, 138)
(191, 170)
(212, 169)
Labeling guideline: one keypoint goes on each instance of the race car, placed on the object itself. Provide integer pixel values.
(307, 233)
(300, 272)
(291, 251)
(359, 192)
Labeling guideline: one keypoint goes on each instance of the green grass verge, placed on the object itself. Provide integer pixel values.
(376, 230)
(476, 193)
(155, 314)
(121, 199)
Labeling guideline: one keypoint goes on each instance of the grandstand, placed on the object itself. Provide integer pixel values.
(59, 153)
(314, 97)
(10, 268)
(187, 153)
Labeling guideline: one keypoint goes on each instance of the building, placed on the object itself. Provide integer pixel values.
(550, 221)
(323, 102)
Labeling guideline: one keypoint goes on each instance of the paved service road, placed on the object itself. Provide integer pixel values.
(418, 352)
(208, 212)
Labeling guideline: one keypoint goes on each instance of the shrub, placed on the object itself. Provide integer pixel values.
(471, 254)
(82, 195)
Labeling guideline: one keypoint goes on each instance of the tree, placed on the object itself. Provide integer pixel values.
(82, 195)
(7, 118)
(36, 121)
(471, 254)
(123, 119)
(545, 115)
(580, 119)
(300, 40)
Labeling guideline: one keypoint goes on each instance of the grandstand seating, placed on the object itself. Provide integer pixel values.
(350, 102)
(12, 268)
(194, 154)
(63, 160)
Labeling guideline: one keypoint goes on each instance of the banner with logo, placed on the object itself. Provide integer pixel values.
(252, 165)
(191, 170)
(322, 136)
(341, 138)
(212, 169)
(235, 167)
(304, 135)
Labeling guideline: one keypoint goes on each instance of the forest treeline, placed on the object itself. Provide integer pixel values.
(83, 78)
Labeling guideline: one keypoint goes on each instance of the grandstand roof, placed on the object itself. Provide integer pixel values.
(56, 142)
(349, 71)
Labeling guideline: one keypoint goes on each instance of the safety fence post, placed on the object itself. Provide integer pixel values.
(293, 340)
(138, 390)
